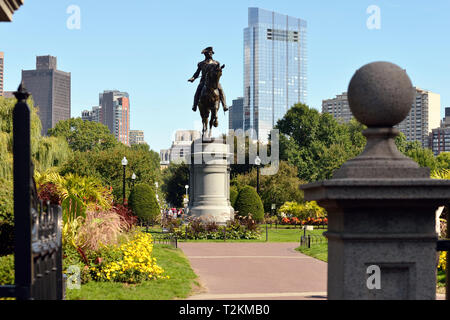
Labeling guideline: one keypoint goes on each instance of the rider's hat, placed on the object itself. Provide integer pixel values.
(208, 49)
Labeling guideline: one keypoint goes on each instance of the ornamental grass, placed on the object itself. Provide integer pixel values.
(99, 229)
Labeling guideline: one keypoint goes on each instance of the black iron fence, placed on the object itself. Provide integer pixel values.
(312, 239)
(165, 238)
(37, 225)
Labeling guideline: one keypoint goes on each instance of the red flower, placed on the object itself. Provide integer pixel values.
(285, 220)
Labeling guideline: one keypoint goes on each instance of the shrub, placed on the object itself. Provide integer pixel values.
(313, 210)
(271, 219)
(248, 202)
(293, 209)
(248, 222)
(172, 223)
(211, 226)
(196, 227)
(303, 210)
(143, 203)
(128, 218)
(7, 270)
(233, 195)
(49, 192)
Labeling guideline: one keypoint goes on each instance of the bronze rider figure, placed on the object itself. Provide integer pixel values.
(203, 68)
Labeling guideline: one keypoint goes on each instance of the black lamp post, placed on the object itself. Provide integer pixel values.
(133, 178)
(258, 164)
(124, 164)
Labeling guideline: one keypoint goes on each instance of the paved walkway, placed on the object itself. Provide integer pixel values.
(240, 271)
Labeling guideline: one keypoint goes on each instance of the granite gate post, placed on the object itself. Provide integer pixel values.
(381, 205)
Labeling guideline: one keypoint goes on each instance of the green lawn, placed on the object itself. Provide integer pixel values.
(287, 235)
(318, 251)
(441, 279)
(181, 283)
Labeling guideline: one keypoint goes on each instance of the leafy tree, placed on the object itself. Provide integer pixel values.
(175, 178)
(46, 152)
(443, 160)
(274, 189)
(424, 157)
(248, 203)
(143, 202)
(84, 135)
(401, 142)
(316, 143)
(106, 165)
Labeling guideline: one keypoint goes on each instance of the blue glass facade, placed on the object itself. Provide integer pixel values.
(275, 64)
(236, 115)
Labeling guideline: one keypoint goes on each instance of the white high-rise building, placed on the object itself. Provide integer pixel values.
(425, 115)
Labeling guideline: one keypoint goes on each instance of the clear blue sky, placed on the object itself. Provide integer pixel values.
(150, 48)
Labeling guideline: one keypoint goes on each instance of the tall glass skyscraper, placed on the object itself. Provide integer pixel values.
(274, 68)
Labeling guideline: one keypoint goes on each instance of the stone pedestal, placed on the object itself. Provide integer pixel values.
(381, 205)
(209, 181)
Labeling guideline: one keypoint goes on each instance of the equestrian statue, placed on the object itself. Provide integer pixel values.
(209, 92)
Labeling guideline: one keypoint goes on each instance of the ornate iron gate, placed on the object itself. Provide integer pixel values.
(37, 226)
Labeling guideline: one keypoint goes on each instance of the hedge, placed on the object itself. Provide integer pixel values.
(249, 202)
(143, 202)
(233, 195)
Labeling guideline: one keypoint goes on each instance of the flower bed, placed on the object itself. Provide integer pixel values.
(309, 221)
(196, 229)
(134, 263)
(98, 236)
(130, 261)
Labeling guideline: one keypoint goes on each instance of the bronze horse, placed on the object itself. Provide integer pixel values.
(210, 98)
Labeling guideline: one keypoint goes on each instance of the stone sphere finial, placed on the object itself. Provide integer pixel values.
(380, 94)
